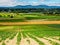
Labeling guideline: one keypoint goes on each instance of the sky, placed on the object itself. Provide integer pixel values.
(7, 3)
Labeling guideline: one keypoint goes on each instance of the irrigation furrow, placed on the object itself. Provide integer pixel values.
(23, 40)
(46, 42)
(32, 41)
(13, 41)
(57, 41)
(39, 42)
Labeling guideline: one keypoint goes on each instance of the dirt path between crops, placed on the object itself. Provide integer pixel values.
(29, 22)
(32, 41)
(27, 41)
(11, 42)
(1, 43)
(57, 41)
(23, 40)
(46, 42)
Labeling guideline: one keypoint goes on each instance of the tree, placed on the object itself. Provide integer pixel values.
(11, 16)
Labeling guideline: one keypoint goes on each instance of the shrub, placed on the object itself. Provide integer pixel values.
(11, 16)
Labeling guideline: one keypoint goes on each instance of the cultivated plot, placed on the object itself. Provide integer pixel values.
(48, 34)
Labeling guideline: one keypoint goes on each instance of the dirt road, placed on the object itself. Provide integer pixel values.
(29, 22)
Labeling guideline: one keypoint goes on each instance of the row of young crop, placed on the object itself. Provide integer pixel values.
(11, 36)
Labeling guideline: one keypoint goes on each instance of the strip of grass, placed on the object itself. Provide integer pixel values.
(18, 38)
(12, 20)
(41, 27)
(54, 25)
(45, 33)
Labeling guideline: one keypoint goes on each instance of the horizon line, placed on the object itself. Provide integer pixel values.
(28, 5)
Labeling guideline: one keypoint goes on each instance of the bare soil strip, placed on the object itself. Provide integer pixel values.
(32, 41)
(11, 42)
(1, 43)
(23, 40)
(57, 41)
(46, 42)
(29, 22)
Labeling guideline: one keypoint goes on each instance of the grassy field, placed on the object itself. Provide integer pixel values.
(43, 34)
(11, 17)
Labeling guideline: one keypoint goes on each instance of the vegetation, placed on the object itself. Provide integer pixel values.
(29, 10)
(29, 31)
(41, 31)
(20, 17)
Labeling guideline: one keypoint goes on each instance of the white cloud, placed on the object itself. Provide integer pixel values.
(14, 3)
(7, 2)
(53, 4)
(21, 3)
(39, 2)
(35, 3)
(42, 0)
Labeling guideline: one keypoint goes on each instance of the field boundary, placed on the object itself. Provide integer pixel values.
(29, 22)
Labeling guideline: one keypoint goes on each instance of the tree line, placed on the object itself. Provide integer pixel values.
(32, 10)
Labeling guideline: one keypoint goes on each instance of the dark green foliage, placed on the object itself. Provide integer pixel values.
(8, 15)
(31, 18)
(54, 25)
(32, 10)
(18, 38)
(11, 16)
(0, 15)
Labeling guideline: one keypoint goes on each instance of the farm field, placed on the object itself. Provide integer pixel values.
(21, 17)
(35, 34)
(29, 22)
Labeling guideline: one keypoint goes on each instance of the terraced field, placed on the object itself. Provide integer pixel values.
(43, 34)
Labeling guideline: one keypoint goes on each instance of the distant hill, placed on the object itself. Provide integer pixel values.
(38, 6)
(30, 6)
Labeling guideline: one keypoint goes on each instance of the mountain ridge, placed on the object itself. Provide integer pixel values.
(30, 6)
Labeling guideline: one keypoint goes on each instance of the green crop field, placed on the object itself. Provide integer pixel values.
(47, 34)
(19, 17)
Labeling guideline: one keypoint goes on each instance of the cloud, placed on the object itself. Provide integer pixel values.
(38, 2)
(15, 2)
(7, 2)
(31, 2)
(53, 4)
(35, 3)
(42, 0)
